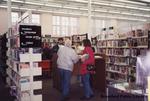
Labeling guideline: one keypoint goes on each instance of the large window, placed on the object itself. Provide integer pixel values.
(35, 18)
(14, 17)
(65, 26)
(97, 26)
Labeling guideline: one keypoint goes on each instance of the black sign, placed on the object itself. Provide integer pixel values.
(30, 36)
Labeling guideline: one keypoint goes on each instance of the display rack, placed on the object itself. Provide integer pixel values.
(121, 54)
(47, 39)
(23, 54)
(79, 38)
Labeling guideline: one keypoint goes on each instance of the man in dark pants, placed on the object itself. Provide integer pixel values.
(55, 73)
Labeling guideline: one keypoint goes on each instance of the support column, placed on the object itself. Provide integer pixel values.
(89, 19)
(9, 13)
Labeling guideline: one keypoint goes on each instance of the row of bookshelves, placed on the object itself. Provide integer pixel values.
(126, 43)
(121, 53)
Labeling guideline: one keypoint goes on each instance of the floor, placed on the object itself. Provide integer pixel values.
(49, 93)
(4, 92)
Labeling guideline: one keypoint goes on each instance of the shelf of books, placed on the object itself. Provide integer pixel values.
(23, 63)
(121, 54)
(24, 43)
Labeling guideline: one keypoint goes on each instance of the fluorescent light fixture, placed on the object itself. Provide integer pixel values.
(83, 1)
(145, 0)
(99, 16)
(122, 13)
(15, 1)
(122, 18)
(113, 5)
(132, 2)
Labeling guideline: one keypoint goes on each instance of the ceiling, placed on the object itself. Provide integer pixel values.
(137, 10)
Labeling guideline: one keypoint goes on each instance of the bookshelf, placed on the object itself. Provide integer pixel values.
(3, 57)
(24, 43)
(79, 38)
(121, 54)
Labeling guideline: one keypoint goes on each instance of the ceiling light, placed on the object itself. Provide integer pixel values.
(145, 0)
(132, 2)
(100, 16)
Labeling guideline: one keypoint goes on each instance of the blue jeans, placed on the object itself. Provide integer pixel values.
(65, 76)
(86, 85)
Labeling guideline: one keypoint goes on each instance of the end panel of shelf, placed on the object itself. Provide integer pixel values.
(24, 72)
(25, 86)
(25, 98)
(37, 85)
(36, 57)
(30, 57)
(37, 98)
(25, 57)
(37, 71)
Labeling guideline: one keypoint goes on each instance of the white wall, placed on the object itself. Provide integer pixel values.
(46, 23)
(3, 21)
(83, 25)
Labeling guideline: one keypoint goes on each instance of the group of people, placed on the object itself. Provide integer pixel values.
(67, 57)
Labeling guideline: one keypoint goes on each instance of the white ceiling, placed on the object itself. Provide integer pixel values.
(115, 9)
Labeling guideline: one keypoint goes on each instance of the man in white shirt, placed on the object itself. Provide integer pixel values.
(67, 57)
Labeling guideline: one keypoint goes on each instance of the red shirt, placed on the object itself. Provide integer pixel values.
(90, 60)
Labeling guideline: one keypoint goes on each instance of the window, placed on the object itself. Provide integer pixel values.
(14, 17)
(97, 26)
(65, 26)
(35, 18)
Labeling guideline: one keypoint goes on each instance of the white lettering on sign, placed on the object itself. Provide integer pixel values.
(27, 29)
(29, 42)
(29, 37)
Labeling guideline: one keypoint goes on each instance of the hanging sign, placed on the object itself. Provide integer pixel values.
(30, 36)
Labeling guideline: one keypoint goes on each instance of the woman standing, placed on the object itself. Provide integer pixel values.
(85, 74)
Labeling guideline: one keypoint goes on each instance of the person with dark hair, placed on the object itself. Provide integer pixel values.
(60, 41)
(46, 52)
(85, 74)
(56, 47)
(55, 74)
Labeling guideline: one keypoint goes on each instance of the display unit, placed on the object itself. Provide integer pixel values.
(24, 54)
(79, 38)
(121, 54)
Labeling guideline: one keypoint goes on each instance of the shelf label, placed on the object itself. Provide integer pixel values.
(30, 36)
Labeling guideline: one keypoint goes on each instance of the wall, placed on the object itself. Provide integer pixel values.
(83, 25)
(3, 21)
(46, 23)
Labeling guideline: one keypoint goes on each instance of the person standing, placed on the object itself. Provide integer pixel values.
(85, 74)
(55, 72)
(67, 57)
